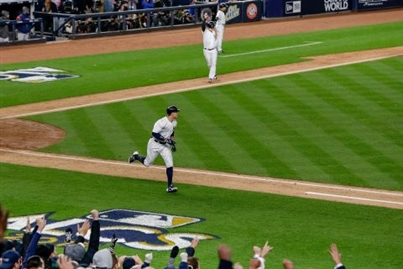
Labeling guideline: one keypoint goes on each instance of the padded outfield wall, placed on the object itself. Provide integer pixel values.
(287, 8)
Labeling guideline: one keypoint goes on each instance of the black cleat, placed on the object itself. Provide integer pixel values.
(171, 189)
(134, 157)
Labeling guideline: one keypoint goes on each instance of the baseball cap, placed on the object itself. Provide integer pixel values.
(172, 109)
(223, 5)
(9, 258)
(102, 259)
(75, 251)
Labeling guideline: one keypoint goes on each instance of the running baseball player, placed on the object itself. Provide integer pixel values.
(161, 143)
(220, 26)
(210, 49)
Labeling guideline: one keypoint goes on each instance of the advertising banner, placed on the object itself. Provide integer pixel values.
(325, 6)
(252, 11)
(292, 8)
(234, 12)
(376, 4)
(282, 8)
(244, 11)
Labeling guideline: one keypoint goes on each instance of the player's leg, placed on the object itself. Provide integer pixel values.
(153, 149)
(220, 35)
(206, 56)
(147, 161)
(166, 155)
(213, 67)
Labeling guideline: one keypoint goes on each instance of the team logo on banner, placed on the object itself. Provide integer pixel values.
(251, 11)
(233, 12)
(134, 229)
(35, 75)
(292, 7)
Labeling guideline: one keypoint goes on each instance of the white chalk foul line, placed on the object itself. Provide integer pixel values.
(190, 171)
(352, 198)
(269, 50)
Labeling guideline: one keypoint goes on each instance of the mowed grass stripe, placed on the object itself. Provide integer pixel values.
(198, 142)
(359, 121)
(389, 69)
(204, 136)
(96, 144)
(349, 131)
(370, 108)
(312, 146)
(390, 72)
(233, 130)
(131, 127)
(286, 105)
(380, 93)
(389, 89)
(256, 156)
(257, 104)
(319, 121)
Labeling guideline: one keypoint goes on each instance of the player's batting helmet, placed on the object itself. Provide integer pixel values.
(172, 109)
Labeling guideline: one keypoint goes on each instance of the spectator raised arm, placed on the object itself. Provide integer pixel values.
(36, 235)
(224, 255)
(336, 256)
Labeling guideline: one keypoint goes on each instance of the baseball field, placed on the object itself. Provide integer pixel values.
(298, 142)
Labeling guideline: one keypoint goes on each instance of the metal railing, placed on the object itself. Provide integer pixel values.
(13, 24)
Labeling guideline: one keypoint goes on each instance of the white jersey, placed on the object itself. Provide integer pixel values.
(209, 39)
(220, 18)
(164, 127)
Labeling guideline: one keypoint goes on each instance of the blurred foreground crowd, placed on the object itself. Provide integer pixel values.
(29, 254)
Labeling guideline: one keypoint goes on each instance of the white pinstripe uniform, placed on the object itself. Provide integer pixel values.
(220, 26)
(161, 143)
(165, 128)
(210, 49)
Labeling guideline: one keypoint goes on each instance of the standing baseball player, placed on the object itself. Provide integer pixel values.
(210, 49)
(220, 26)
(161, 143)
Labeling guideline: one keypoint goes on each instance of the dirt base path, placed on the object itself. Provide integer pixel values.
(18, 138)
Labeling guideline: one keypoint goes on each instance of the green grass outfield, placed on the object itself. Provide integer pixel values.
(341, 125)
(102, 73)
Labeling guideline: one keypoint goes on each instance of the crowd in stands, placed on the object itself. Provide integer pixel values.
(30, 254)
(126, 21)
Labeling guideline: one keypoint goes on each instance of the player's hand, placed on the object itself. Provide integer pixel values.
(172, 144)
